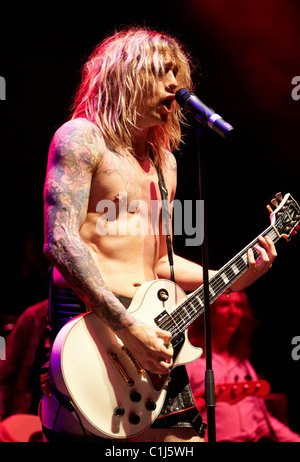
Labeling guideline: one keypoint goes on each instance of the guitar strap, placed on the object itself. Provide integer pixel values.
(193, 413)
(166, 217)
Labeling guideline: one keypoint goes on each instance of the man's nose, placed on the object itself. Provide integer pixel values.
(171, 82)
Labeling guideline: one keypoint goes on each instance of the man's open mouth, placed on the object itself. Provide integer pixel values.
(167, 103)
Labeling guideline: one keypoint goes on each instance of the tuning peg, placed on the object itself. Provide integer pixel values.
(279, 196)
(269, 208)
(274, 202)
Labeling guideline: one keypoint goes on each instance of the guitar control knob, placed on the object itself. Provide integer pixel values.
(163, 295)
(135, 396)
(150, 405)
(134, 419)
(119, 411)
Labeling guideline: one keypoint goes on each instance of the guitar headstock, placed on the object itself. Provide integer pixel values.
(232, 393)
(286, 216)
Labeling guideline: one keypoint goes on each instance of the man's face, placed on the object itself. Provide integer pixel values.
(155, 109)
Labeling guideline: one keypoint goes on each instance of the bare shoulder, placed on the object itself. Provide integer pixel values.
(80, 139)
(80, 127)
(171, 162)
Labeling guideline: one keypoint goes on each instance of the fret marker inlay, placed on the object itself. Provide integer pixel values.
(235, 268)
(225, 278)
(212, 292)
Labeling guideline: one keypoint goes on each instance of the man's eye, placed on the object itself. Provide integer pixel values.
(161, 72)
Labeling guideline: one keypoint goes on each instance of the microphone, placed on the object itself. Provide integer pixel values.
(203, 114)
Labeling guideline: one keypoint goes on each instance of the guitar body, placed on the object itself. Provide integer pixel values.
(113, 396)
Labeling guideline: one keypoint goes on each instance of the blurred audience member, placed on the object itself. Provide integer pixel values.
(20, 389)
(241, 413)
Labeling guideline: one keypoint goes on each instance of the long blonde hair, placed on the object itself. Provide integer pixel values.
(114, 80)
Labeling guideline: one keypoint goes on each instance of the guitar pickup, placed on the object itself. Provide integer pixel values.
(161, 318)
(177, 339)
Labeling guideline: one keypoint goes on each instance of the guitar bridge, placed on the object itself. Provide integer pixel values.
(137, 365)
(119, 366)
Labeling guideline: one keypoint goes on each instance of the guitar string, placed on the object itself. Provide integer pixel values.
(194, 302)
(188, 317)
(185, 316)
(194, 299)
(181, 318)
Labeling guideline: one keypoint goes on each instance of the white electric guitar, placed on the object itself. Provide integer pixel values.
(111, 392)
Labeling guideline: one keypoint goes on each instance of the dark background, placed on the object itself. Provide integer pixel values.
(247, 54)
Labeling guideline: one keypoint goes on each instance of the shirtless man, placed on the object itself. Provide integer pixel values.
(125, 121)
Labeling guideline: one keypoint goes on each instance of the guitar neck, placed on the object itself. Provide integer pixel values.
(193, 307)
(230, 272)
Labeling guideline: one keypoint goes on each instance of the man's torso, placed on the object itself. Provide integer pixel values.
(122, 225)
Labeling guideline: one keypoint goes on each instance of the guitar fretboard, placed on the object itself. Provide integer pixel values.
(179, 320)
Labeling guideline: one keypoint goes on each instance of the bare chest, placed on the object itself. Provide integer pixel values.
(120, 179)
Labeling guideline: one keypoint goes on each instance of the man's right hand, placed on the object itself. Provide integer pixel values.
(149, 346)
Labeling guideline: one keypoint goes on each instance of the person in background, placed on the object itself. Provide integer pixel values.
(20, 390)
(241, 414)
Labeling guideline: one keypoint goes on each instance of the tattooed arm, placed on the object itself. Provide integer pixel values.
(73, 157)
(75, 153)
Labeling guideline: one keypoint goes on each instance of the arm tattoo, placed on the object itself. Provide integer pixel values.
(73, 156)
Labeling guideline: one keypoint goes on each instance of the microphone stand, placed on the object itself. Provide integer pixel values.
(210, 399)
(205, 116)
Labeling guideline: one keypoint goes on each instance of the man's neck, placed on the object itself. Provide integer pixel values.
(140, 144)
